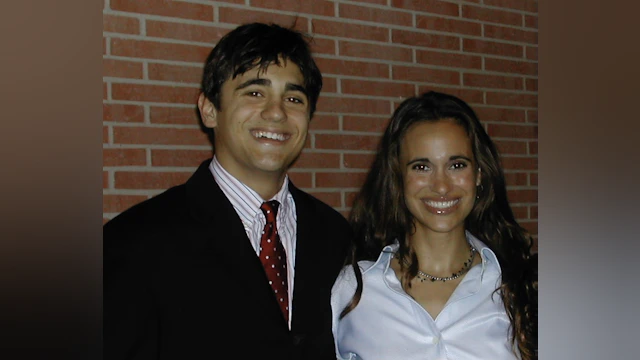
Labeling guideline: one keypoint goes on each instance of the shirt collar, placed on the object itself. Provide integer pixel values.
(245, 200)
(489, 258)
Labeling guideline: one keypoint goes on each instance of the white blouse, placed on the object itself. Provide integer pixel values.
(389, 324)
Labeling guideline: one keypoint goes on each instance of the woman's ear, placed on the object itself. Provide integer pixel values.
(208, 111)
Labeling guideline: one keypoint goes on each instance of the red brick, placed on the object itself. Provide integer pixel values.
(303, 180)
(531, 21)
(177, 73)
(349, 105)
(513, 131)
(331, 198)
(375, 51)
(531, 84)
(324, 122)
(105, 91)
(510, 99)
(533, 210)
(519, 163)
(346, 142)
(124, 157)
(448, 59)
(533, 180)
(531, 53)
(104, 46)
(323, 46)
(377, 15)
(511, 67)
(524, 5)
(470, 96)
(532, 116)
(120, 24)
(339, 180)
(317, 160)
(349, 197)
(414, 38)
(329, 85)
(522, 196)
(174, 115)
(510, 34)
(533, 147)
(511, 147)
(491, 15)
(448, 25)
(499, 114)
(122, 113)
(169, 8)
(377, 88)
(365, 123)
(353, 68)
(120, 203)
(516, 179)
(430, 6)
(532, 228)
(492, 81)
(188, 32)
(179, 157)
(155, 93)
(242, 16)
(121, 69)
(358, 161)
(422, 74)
(490, 47)
(315, 7)
(350, 30)
(159, 51)
(520, 211)
(105, 179)
(149, 180)
(378, 2)
(159, 136)
(105, 134)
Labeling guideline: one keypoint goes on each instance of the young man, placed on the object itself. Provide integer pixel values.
(183, 271)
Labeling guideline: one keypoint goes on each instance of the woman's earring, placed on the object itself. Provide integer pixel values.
(479, 189)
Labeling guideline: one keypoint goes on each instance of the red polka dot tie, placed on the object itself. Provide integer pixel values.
(273, 257)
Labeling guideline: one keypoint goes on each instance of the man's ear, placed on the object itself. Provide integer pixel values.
(208, 111)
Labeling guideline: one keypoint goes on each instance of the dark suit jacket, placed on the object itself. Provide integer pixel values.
(182, 281)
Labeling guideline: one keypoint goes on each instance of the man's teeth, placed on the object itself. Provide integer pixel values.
(442, 204)
(270, 135)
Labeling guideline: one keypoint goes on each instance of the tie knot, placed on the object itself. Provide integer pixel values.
(270, 210)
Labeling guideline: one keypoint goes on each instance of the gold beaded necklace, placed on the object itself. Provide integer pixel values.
(422, 276)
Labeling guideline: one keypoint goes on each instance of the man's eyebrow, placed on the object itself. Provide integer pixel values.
(255, 81)
(295, 87)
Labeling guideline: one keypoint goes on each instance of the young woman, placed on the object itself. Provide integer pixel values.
(439, 267)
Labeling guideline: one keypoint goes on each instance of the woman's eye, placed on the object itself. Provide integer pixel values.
(420, 167)
(459, 165)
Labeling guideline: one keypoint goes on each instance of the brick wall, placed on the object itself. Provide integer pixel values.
(373, 53)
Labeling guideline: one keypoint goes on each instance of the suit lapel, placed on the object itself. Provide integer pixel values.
(229, 251)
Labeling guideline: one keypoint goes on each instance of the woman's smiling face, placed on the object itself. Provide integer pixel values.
(440, 175)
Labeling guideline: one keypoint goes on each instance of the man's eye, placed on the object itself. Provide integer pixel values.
(254, 93)
(295, 100)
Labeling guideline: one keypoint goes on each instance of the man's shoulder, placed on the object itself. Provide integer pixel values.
(309, 202)
(163, 205)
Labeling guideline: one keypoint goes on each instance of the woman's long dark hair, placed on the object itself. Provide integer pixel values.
(379, 215)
